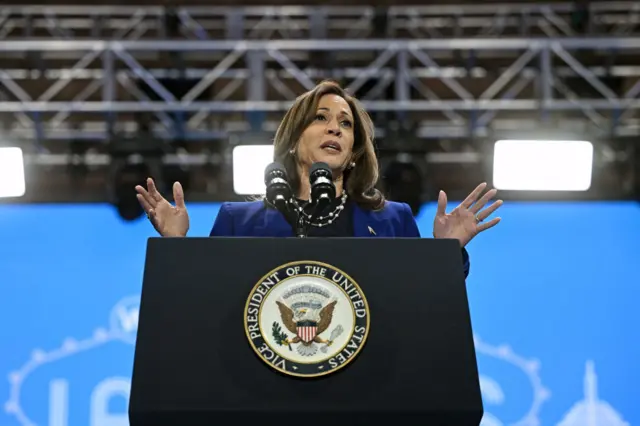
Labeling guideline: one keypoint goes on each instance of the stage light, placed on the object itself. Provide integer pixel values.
(403, 182)
(538, 165)
(12, 182)
(125, 177)
(249, 162)
(134, 158)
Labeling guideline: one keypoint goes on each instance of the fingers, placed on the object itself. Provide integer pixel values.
(144, 203)
(490, 224)
(178, 195)
(144, 195)
(483, 201)
(153, 191)
(442, 204)
(150, 211)
(471, 198)
(151, 196)
(489, 210)
(148, 201)
(486, 213)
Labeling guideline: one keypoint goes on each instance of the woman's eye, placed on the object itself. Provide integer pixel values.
(345, 123)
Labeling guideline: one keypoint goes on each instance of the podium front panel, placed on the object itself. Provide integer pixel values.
(194, 363)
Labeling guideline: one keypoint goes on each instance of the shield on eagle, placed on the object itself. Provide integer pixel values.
(306, 330)
(303, 312)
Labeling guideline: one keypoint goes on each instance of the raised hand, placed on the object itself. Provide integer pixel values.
(465, 221)
(168, 220)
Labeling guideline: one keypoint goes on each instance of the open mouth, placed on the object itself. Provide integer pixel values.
(331, 146)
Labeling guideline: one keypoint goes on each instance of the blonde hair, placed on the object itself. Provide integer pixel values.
(359, 182)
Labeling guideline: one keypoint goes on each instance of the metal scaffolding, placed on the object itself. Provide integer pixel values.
(570, 19)
(454, 88)
(454, 74)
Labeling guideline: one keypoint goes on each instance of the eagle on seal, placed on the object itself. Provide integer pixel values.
(306, 326)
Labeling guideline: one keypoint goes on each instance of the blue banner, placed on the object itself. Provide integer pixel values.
(552, 290)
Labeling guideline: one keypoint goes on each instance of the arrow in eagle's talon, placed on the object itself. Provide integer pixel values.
(334, 335)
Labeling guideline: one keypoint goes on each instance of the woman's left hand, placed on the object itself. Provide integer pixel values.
(465, 221)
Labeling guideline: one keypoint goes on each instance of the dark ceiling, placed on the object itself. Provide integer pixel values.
(278, 2)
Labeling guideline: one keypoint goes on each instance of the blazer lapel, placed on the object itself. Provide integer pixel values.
(367, 224)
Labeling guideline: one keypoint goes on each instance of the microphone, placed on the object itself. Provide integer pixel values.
(323, 191)
(279, 191)
(280, 194)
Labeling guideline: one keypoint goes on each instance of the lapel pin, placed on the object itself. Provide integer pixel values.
(371, 231)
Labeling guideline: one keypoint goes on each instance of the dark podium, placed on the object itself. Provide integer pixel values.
(236, 330)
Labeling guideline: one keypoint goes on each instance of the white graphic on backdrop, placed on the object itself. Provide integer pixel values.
(492, 393)
(592, 411)
(123, 326)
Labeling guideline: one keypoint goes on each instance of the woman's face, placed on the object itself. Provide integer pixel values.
(329, 138)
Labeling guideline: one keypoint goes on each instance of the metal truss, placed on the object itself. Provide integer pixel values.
(251, 83)
(617, 18)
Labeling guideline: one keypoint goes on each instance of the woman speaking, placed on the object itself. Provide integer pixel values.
(326, 125)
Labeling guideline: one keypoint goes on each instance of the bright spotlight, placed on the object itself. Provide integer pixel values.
(534, 165)
(12, 183)
(249, 162)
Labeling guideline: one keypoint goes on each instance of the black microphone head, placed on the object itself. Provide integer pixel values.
(319, 168)
(274, 170)
(278, 190)
(321, 179)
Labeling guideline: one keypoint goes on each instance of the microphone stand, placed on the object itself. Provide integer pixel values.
(301, 227)
(289, 210)
(320, 205)
(296, 218)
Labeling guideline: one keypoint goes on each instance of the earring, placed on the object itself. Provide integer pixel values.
(352, 165)
(292, 151)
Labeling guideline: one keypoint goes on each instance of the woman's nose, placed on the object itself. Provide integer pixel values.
(333, 129)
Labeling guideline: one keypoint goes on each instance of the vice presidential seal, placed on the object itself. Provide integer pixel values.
(307, 319)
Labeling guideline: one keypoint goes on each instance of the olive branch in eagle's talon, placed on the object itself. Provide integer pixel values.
(281, 338)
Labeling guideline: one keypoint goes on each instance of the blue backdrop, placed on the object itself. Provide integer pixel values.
(553, 292)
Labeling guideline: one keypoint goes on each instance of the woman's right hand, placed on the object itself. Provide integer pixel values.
(168, 220)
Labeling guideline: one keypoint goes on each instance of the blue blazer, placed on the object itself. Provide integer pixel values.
(254, 219)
